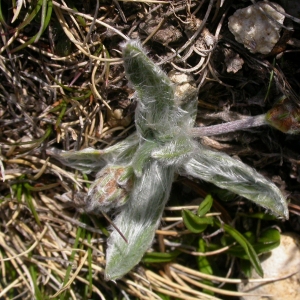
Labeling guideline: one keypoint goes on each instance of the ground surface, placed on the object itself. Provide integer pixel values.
(63, 85)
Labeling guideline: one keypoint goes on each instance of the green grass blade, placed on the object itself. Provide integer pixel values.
(205, 206)
(29, 202)
(246, 246)
(43, 27)
(69, 269)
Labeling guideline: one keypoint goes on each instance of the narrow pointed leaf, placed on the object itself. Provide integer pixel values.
(156, 110)
(138, 220)
(205, 206)
(258, 215)
(194, 223)
(87, 160)
(153, 86)
(245, 245)
(233, 175)
(204, 265)
(203, 262)
(92, 160)
(160, 257)
(268, 241)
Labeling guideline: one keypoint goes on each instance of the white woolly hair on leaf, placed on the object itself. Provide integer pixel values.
(138, 220)
(87, 160)
(122, 151)
(141, 156)
(162, 144)
(91, 160)
(156, 108)
(235, 176)
(175, 152)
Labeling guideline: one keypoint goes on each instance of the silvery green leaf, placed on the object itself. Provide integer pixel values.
(153, 86)
(233, 175)
(138, 220)
(156, 108)
(92, 160)
(163, 143)
(174, 152)
(142, 156)
(87, 160)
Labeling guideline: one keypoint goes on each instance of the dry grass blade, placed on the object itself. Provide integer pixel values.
(61, 92)
(89, 18)
(71, 280)
(168, 287)
(30, 248)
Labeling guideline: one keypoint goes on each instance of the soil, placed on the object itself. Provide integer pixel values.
(66, 90)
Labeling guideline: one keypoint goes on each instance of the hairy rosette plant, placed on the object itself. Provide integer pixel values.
(136, 174)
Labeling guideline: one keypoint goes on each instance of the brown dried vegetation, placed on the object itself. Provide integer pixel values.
(66, 88)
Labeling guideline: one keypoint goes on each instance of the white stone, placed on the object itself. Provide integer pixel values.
(282, 261)
(254, 26)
